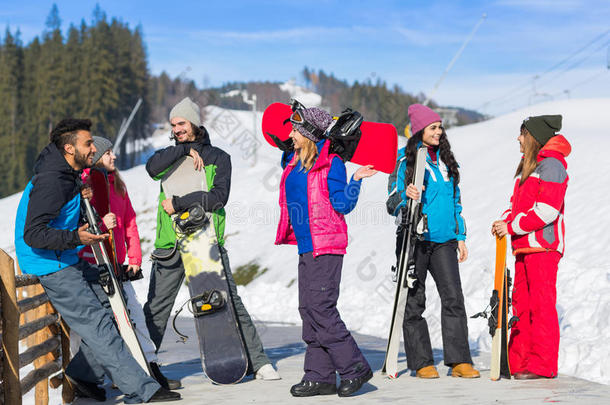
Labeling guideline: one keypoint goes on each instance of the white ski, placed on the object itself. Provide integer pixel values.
(114, 291)
(404, 271)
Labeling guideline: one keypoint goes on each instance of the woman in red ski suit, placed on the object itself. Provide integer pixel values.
(535, 224)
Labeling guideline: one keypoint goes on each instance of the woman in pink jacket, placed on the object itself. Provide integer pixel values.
(121, 218)
(535, 223)
(314, 196)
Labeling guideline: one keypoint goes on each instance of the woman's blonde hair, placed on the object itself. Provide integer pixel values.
(531, 147)
(307, 154)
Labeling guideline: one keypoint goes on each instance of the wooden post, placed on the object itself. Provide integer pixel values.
(42, 388)
(10, 331)
(67, 391)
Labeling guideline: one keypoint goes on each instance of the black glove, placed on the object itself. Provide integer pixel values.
(286, 146)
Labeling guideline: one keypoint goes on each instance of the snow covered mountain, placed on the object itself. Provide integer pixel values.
(488, 154)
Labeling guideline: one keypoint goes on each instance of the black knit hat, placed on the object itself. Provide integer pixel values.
(543, 127)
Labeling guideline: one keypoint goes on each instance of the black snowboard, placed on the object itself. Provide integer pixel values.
(223, 354)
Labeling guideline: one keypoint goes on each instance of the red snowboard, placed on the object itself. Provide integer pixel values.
(378, 144)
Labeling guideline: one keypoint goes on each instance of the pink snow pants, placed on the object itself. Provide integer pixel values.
(534, 339)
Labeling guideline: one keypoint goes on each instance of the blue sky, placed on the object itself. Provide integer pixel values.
(408, 43)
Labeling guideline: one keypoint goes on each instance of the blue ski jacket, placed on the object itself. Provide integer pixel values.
(441, 201)
(46, 226)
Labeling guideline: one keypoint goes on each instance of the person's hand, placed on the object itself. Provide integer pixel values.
(499, 228)
(197, 161)
(109, 220)
(462, 251)
(364, 172)
(285, 146)
(168, 206)
(412, 191)
(86, 192)
(88, 238)
(133, 268)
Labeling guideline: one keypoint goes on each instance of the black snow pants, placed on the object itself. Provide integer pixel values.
(441, 260)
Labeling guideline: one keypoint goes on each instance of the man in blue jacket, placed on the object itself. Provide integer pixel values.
(47, 240)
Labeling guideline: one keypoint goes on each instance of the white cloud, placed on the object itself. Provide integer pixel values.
(272, 35)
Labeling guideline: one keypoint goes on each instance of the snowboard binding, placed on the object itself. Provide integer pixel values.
(105, 281)
(191, 220)
(207, 303)
(344, 132)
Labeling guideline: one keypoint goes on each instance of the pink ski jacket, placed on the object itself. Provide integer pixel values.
(126, 231)
(535, 217)
(328, 228)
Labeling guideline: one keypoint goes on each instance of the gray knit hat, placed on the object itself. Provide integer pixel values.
(317, 117)
(102, 145)
(188, 109)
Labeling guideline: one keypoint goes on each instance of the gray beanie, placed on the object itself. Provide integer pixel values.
(102, 145)
(317, 117)
(186, 109)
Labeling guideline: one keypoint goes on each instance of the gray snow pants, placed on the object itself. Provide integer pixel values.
(78, 297)
(166, 277)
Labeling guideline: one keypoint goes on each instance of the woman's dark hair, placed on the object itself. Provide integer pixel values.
(444, 151)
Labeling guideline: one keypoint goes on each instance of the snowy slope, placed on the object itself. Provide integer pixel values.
(488, 153)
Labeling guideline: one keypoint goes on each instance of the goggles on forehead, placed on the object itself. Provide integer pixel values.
(298, 118)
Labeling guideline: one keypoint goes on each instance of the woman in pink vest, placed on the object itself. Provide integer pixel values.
(314, 196)
(535, 224)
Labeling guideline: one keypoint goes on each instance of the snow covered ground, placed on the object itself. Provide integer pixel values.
(488, 153)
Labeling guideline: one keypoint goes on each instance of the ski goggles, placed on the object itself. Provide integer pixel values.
(298, 118)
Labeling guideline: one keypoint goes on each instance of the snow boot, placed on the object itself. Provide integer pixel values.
(350, 386)
(165, 382)
(163, 395)
(86, 389)
(464, 370)
(427, 372)
(268, 373)
(310, 388)
(526, 375)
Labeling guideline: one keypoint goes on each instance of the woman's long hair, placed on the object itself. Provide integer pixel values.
(528, 163)
(119, 184)
(444, 151)
(307, 154)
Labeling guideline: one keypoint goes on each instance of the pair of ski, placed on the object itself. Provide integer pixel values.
(497, 316)
(111, 273)
(405, 277)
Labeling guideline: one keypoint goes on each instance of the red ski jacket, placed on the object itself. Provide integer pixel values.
(535, 217)
(126, 231)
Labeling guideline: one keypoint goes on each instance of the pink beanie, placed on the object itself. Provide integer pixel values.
(421, 116)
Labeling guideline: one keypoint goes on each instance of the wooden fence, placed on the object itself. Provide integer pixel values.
(47, 337)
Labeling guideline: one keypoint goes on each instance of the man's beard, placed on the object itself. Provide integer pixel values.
(81, 159)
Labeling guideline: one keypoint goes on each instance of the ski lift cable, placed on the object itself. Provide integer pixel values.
(455, 58)
(594, 40)
(516, 89)
(577, 63)
(587, 80)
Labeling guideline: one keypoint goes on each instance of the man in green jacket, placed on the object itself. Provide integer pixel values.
(167, 275)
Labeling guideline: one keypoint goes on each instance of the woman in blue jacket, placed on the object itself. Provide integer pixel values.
(436, 253)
